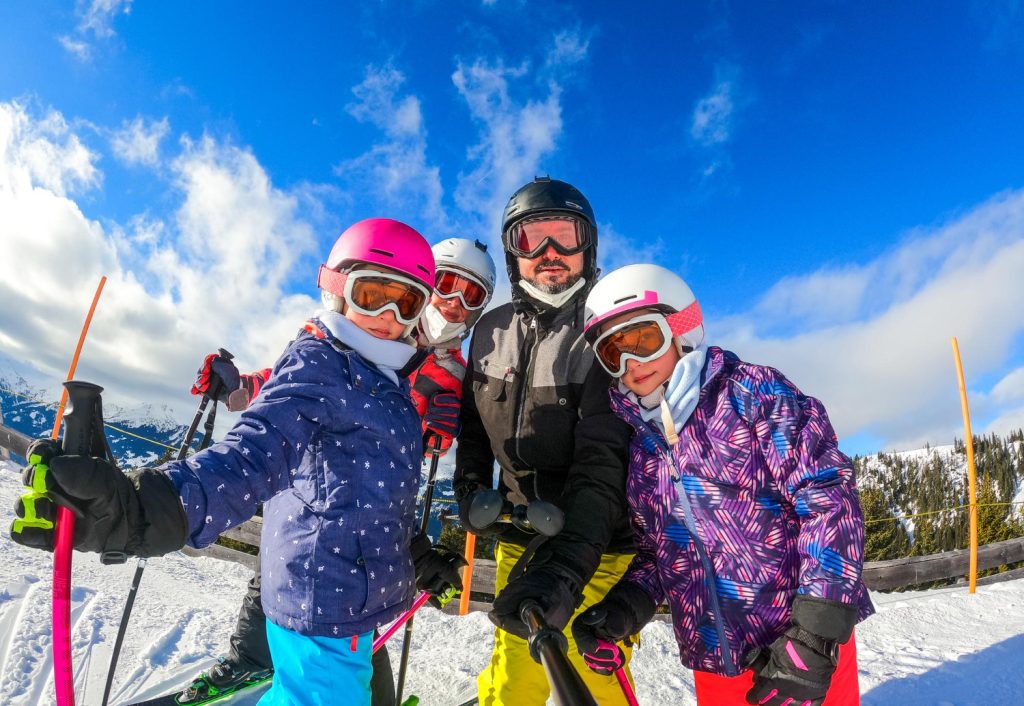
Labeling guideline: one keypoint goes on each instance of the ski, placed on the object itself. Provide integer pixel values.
(172, 699)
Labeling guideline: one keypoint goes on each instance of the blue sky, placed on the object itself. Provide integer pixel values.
(841, 185)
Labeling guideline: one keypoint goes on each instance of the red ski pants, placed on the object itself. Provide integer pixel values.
(715, 690)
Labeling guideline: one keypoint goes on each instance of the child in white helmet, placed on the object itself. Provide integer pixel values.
(745, 512)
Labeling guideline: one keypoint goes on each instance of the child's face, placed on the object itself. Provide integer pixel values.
(451, 309)
(643, 378)
(383, 325)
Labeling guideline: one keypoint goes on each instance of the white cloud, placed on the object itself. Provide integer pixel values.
(616, 250)
(95, 17)
(212, 273)
(397, 170)
(43, 152)
(76, 47)
(515, 137)
(138, 141)
(880, 356)
(1010, 388)
(712, 116)
(568, 48)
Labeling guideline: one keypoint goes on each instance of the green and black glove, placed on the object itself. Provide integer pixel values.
(137, 514)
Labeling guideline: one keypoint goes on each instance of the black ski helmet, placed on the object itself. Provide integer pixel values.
(547, 195)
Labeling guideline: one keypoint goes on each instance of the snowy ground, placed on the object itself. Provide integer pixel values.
(936, 648)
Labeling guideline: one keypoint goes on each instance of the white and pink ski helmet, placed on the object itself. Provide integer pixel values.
(645, 287)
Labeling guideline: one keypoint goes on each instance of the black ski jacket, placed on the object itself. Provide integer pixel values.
(536, 400)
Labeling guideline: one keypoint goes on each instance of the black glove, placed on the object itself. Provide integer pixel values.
(555, 592)
(798, 667)
(438, 569)
(116, 514)
(217, 377)
(617, 617)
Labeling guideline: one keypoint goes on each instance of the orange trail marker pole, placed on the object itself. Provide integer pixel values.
(467, 574)
(972, 480)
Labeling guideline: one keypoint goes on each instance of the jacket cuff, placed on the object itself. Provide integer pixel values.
(636, 600)
(831, 620)
(164, 526)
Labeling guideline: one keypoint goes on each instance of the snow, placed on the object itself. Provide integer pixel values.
(934, 648)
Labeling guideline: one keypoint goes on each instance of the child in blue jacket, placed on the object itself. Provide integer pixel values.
(331, 448)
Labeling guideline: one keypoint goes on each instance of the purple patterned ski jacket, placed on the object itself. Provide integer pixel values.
(768, 509)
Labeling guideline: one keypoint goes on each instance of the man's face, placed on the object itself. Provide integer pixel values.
(551, 272)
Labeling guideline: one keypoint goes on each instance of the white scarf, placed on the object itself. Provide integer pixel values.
(387, 356)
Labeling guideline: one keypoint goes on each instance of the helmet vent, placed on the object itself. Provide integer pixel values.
(382, 252)
(425, 270)
(625, 299)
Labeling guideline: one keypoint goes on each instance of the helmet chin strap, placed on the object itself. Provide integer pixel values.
(437, 329)
(552, 300)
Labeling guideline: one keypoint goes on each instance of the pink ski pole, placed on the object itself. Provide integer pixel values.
(627, 688)
(402, 619)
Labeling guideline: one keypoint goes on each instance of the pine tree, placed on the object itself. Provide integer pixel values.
(884, 535)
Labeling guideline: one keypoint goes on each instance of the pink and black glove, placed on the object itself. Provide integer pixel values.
(797, 669)
(616, 618)
(219, 378)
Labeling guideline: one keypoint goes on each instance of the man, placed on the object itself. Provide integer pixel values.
(536, 401)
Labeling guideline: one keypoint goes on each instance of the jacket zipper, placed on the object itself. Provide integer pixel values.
(524, 383)
(709, 570)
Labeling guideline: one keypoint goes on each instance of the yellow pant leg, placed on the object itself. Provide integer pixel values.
(512, 678)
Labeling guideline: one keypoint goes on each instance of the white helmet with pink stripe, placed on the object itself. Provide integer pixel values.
(648, 288)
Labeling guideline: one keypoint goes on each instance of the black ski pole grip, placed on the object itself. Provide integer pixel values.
(83, 433)
(548, 646)
(223, 353)
(83, 420)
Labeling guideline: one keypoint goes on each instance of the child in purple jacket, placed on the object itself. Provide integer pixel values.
(746, 516)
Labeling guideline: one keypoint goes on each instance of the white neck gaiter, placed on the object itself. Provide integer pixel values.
(388, 356)
(553, 300)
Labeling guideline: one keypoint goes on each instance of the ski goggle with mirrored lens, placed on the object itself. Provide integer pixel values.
(532, 236)
(450, 284)
(370, 293)
(643, 338)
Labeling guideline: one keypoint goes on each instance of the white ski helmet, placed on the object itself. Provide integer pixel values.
(645, 287)
(469, 259)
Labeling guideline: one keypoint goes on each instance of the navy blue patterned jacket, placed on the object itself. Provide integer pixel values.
(333, 448)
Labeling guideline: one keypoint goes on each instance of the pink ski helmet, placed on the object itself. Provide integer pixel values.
(379, 241)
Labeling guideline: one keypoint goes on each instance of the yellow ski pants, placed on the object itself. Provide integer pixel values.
(513, 678)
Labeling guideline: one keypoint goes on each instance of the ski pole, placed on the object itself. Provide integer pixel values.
(64, 534)
(140, 567)
(400, 621)
(627, 688)
(83, 436)
(428, 497)
(548, 647)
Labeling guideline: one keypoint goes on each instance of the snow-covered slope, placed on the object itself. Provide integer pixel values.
(936, 648)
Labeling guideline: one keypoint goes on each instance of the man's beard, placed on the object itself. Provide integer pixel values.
(558, 287)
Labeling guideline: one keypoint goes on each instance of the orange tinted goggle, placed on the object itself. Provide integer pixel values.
(642, 339)
(531, 237)
(450, 284)
(371, 293)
